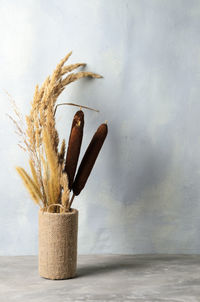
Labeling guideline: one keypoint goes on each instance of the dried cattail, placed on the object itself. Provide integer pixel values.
(89, 159)
(74, 146)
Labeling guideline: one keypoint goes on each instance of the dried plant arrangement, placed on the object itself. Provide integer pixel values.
(53, 182)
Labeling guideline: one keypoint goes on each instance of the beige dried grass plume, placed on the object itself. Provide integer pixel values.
(48, 184)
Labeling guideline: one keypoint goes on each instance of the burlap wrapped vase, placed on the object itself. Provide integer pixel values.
(58, 234)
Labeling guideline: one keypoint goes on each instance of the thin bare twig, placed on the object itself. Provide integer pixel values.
(72, 104)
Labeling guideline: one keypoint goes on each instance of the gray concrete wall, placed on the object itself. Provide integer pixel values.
(144, 194)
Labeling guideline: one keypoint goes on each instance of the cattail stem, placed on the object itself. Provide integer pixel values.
(70, 203)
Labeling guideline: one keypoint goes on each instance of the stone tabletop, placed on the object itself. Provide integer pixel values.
(174, 278)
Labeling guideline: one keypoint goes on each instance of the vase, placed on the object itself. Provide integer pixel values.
(58, 233)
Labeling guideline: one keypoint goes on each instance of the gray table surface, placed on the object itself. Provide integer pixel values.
(174, 278)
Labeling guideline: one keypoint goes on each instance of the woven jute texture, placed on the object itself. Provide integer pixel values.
(58, 244)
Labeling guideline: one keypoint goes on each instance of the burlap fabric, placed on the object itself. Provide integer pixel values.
(58, 244)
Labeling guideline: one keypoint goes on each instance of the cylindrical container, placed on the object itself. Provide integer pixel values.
(58, 233)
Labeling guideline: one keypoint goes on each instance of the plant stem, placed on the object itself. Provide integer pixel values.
(72, 104)
(70, 203)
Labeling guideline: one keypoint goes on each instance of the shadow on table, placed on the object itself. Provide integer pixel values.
(128, 263)
(106, 267)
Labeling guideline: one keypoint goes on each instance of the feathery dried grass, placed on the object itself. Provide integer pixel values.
(66, 192)
(54, 168)
(30, 185)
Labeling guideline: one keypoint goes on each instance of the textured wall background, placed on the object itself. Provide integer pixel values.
(144, 193)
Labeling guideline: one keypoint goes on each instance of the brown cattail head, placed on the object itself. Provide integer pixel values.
(89, 158)
(74, 146)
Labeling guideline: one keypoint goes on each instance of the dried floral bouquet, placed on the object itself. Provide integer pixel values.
(52, 168)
